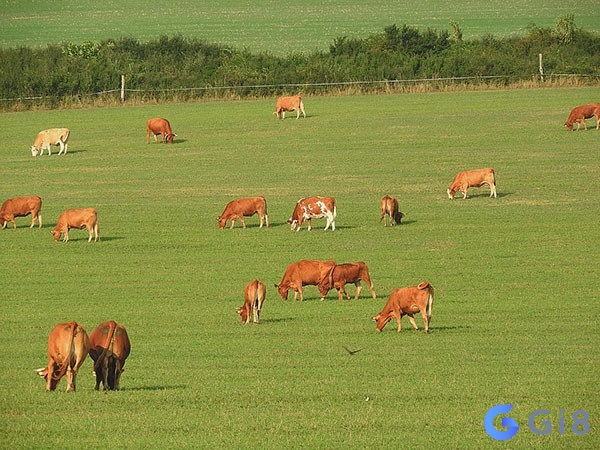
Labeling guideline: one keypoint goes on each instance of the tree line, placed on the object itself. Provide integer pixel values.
(166, 68)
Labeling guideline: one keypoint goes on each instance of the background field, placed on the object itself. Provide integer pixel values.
(515, 319)
(280, 27)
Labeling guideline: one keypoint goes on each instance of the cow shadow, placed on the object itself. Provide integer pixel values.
(155, 388)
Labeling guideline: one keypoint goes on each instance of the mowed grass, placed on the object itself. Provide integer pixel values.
(515, 317)
(278, 27)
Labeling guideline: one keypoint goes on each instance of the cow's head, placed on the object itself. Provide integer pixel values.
(221, 221)
(283, 291)
(382, 318)
(43, 372)
(569, 126)
(451, 193)
(244, 313)
(293, 223)
(168, 138)
(34, 151)
(56, 234)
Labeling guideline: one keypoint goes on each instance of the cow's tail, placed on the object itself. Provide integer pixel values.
(110, 338)
(67, 134)
(61, 369)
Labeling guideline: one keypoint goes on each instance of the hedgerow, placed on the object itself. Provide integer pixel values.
(180, 68)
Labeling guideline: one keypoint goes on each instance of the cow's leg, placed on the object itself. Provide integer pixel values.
(66, 235)
(118, 371)
(243, 223)
(358, 289)
(105, 368)
(412, 322)
(232, 224)
(308, 224)
(71, 379)
(425, 321)
(493, 190)
(399, 319)
(62, 147)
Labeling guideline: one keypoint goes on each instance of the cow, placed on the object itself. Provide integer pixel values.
(389, 210)
(304, 273)
(473, 178)
(343, 274)
(313, 208)
(254, 296)
(407, 301)
(68, 346)
(580, 113)
(109, 348)
(77, 218)
(291, 103)
(159, 126)
(244, 207)
(21, 207)
(47, 138)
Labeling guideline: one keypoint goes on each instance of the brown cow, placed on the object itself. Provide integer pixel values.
(159, 126)
(343, 274)
(313, 208)
(68, 346)
(21, 207)
(389, 209)
(407, 301)
(580, 113)
(47, 138)
(304, 273)
(109, 348)
(291, 103)
(254, 296)
(473, 178)
(244, 207)
(77, 218)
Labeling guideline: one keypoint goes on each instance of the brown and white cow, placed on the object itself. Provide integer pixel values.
(68, 346)
(109, 348)
(473, 178)
(313, 208)
(21, 207)
(47, 138)
(347, 273)
(77, 218)
(389, 210)
(407, 301)
(254, 295)
(160, 126)
(290, 103)
(580, 113)
(244, 207)
(304, 273)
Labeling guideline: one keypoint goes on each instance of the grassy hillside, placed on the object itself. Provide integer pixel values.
(279, 27)
(514, 318)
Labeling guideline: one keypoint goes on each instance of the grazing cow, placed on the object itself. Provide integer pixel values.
(407, 301)
(68, 346)
(47, 138)
(473, 178)
(21, 207)
(343, 274)
(580, 113)
(304, 273)
(159, 126)
(389, 209)
(77, 218)
(109, 348)
(313, 208)
(254, 296)
(244, 207)
(291, 103)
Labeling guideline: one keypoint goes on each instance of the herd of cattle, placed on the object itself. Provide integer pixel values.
(108, 345)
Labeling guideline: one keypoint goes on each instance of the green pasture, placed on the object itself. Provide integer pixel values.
(279, 27)
(515, 316)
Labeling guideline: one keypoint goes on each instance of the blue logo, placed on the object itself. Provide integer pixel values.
(488, 423)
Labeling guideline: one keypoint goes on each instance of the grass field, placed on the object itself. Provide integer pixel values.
(280, 27)
(515, 318)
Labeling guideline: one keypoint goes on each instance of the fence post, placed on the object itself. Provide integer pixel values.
(122, 88)
(541, 67)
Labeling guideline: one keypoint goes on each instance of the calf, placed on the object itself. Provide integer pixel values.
(21, 207)
(244, 207)
(291, 103)
(47, 138)
(473, 178)
(68, 346)
(77, 218)
(109, 348)
(343, 274)
(254, 296)
(580, 113)
(389, 210)
(158, 126)
(407, 301)
(304, 273)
